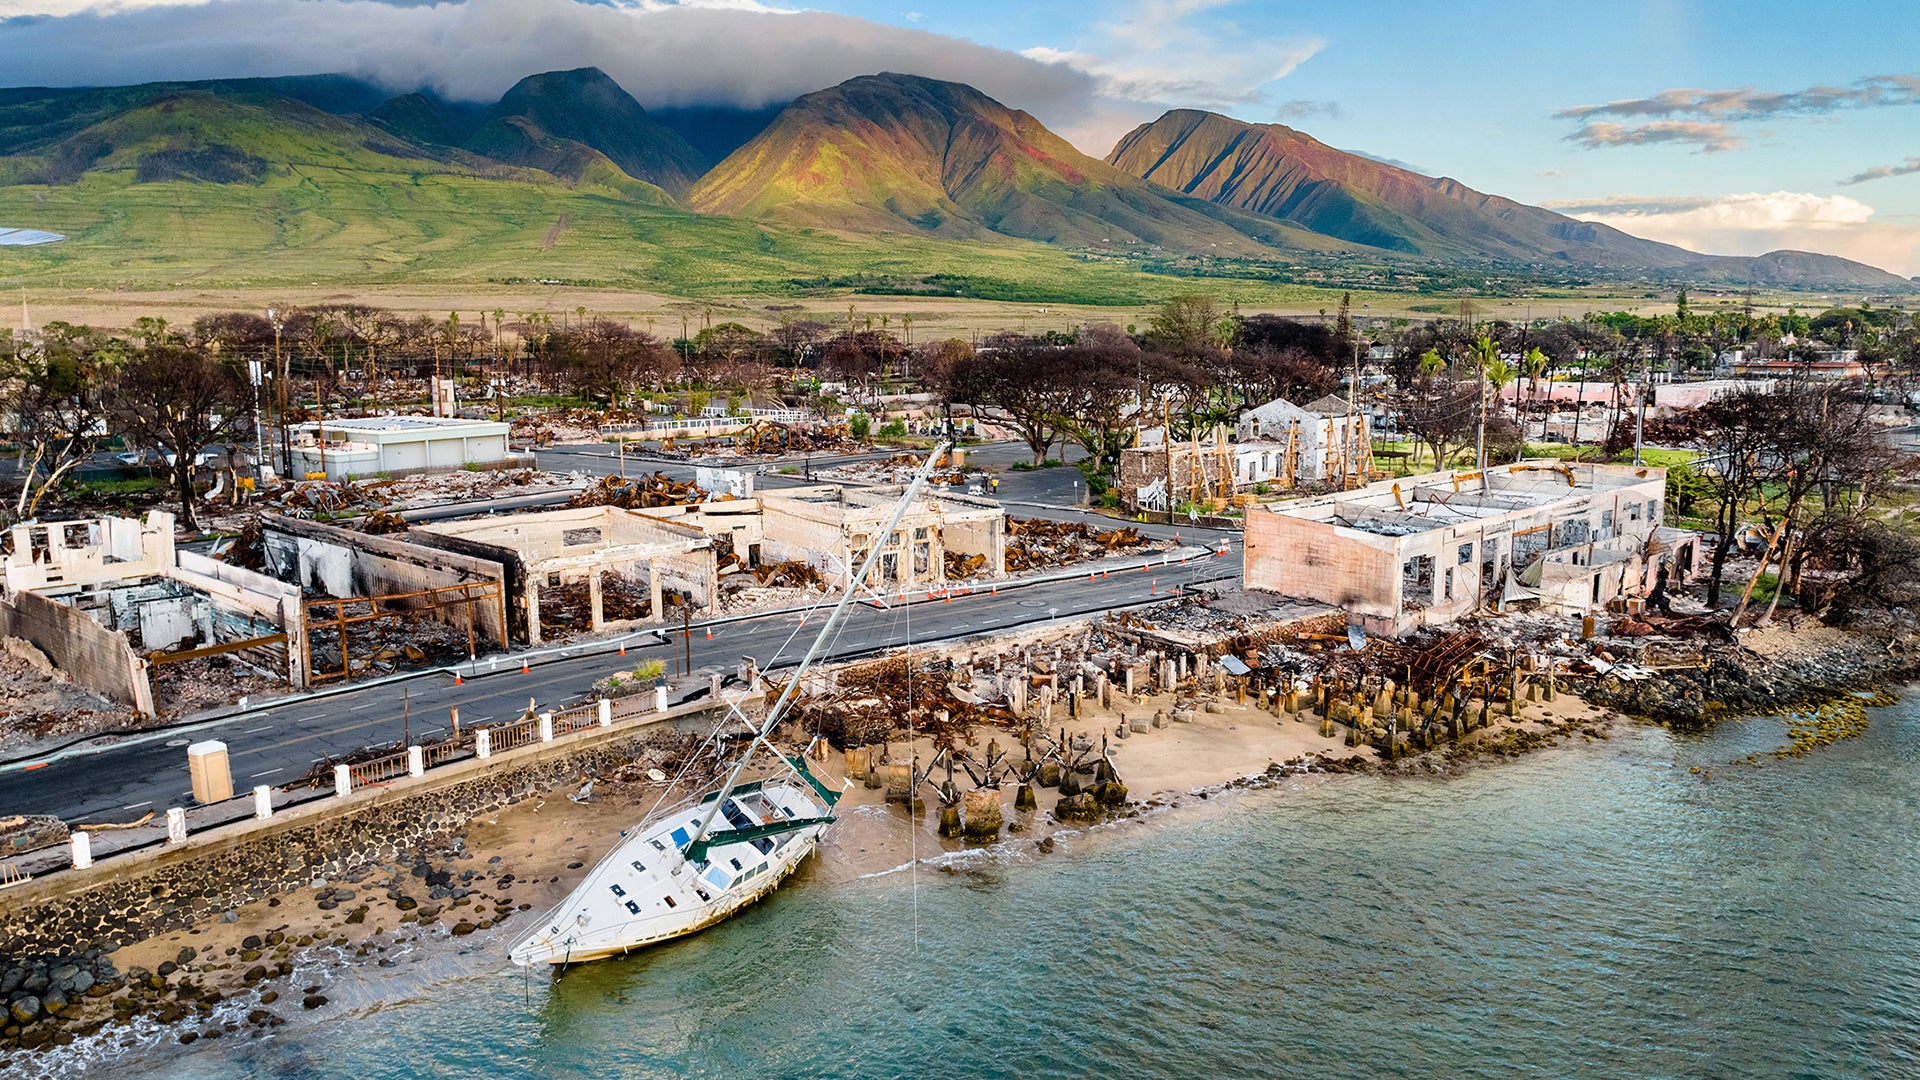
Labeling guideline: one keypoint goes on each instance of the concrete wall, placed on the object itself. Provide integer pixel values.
(254, 595)
(58, 554)
(131, 897)
(324, 560)
(92, 655)
(1317, 561)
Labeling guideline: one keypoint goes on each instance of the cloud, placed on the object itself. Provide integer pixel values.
(1395, 162)
(1709, 137)
(1302, 110)
(708, 52)
(1882, 172)
(1749, 103)
(1754, 223)
(1151, 54)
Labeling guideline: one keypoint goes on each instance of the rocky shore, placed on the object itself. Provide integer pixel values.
(1766, 671)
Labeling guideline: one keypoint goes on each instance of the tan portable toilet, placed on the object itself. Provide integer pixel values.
(212, 776)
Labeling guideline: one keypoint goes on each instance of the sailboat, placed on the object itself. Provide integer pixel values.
(694, 863)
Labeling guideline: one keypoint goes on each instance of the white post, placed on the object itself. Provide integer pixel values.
(659, 699)
(546, 727)
(82, 850)
(176, 825)
(262, 802)
(342, 781)
(606, 712)
(482, 744)
(416, 761)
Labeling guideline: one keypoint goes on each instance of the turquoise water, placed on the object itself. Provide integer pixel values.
(1593, 911)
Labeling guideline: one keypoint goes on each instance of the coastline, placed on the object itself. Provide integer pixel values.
(262, 964)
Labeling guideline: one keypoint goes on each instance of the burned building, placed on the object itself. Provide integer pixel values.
(829, 528)
(1403, 554)
(581, 548)
(109, 600)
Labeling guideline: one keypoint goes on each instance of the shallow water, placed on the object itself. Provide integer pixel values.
(1590, 911)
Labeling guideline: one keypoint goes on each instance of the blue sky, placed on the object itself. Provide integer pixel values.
(1510, 98)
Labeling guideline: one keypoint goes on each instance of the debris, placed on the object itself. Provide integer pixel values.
(1040, 542)
(639, 493)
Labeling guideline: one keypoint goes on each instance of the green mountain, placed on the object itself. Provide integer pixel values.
(1274, 170)
(585, 107)
(900, 153)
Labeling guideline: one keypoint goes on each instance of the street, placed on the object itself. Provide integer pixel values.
(278, 743)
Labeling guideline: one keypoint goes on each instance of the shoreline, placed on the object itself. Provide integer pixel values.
(261, 965)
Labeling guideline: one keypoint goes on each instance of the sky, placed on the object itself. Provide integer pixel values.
(1730, 128)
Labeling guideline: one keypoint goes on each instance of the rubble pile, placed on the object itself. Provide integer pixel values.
(209, 682)
(869, 703)
(382, 522)
(379, 646)
(569, 607)
(640, 493)
(1038, 543)
(767, 438)
(39, 704)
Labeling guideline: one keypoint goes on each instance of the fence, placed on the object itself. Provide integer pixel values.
(513, 736)
(379, 770)
(260, 804)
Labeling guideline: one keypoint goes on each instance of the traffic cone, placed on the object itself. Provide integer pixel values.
(1153, 589)
(709, 633)
(996, 590)
(457, 680)
(623, 648)
(524, 669)
(949, 598)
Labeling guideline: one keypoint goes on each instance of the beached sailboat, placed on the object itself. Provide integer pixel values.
(692, 864)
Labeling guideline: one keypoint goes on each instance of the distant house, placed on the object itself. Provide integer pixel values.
(1327, 439)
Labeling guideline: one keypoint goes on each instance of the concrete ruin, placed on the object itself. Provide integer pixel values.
(549, 549)
(352, 578)
(1278, 444)
(109, 600)
(1399, 555)
(829, 528)
(832, 528)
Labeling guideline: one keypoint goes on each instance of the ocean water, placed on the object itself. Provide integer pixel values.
(1590, 911)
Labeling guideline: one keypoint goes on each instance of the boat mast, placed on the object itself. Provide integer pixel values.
(876, 543)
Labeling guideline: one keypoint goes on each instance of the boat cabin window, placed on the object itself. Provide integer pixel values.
(735, 816)
(633, 907)
(762, 845)
(736, 864)
(669, 901)
(717, 877)
(658, 846)
(681, 836)
(637, 868)
(617, 890)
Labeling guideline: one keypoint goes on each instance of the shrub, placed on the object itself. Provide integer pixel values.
(894, 429)
(860, 424)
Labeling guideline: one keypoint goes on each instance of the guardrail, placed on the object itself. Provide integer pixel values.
(262, 803)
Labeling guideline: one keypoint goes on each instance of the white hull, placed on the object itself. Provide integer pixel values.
(645, 892)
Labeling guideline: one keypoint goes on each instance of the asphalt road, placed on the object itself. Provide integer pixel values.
(278, 743)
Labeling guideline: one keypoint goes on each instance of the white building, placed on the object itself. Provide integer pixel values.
(1321, 441)
(368, 445)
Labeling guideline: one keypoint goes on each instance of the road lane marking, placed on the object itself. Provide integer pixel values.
(269, 772)
(311, 719)
(251, 731)
(357, 708)
(138, 805)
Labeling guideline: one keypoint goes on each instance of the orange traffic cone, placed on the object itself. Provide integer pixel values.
(524, 669)
(623, 648)
(709, 633)
(1154, 587)
(457, 680)
(996, 590)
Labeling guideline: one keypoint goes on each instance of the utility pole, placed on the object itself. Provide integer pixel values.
(1480, 437)
(1640, 413)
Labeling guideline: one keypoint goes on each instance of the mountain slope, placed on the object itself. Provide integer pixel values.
(519, 141)
(896, 152)
(1274, 170)
(587, 107)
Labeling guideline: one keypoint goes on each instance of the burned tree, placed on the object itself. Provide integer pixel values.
(178, 399)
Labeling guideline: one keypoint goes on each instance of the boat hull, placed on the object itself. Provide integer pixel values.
(646, 891)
